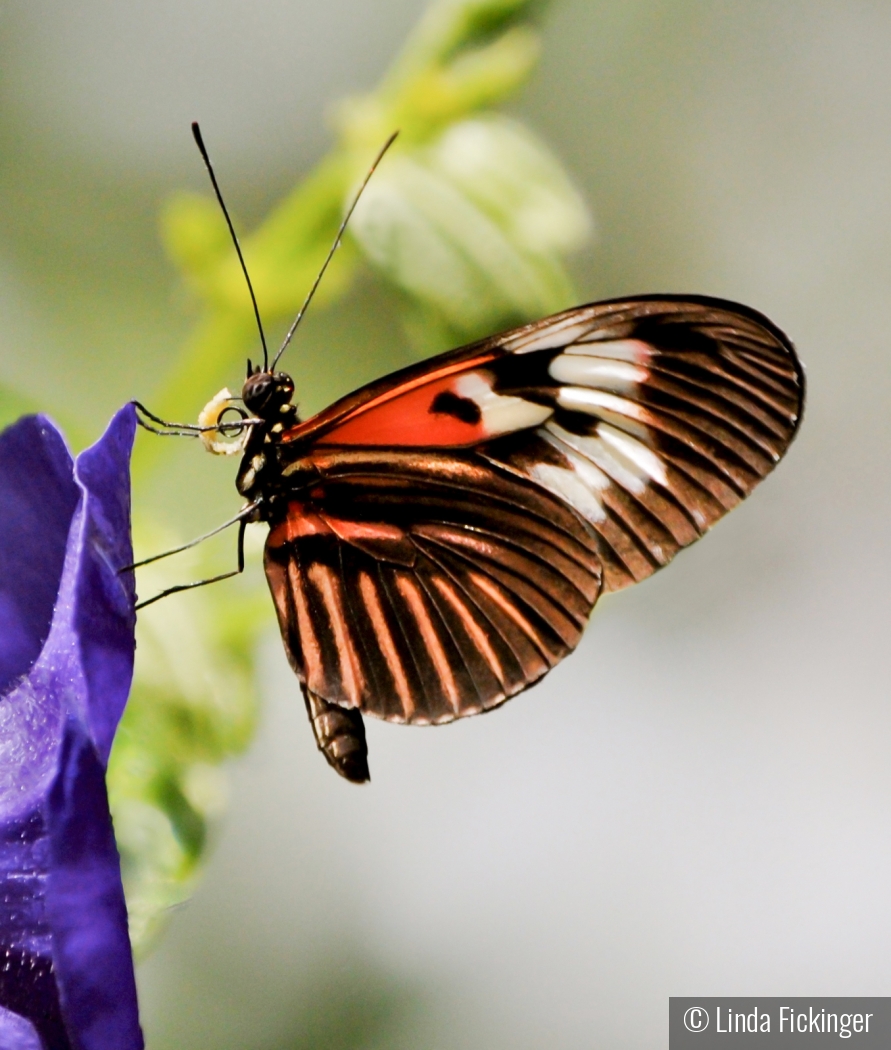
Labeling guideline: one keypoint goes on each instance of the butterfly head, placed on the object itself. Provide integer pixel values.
(267, 394)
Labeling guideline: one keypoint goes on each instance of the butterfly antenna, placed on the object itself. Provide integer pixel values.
(199, 141)
(333, 248)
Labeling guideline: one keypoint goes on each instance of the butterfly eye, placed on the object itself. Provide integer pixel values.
(257, 390)
(263, 392)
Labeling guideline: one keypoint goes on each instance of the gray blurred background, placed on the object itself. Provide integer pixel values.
(699, 801)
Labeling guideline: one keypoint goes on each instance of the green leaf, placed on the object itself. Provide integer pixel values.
(510, 174)
(449, 29)
(473, 225)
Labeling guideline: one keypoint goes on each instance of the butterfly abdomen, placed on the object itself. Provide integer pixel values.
(340, 735)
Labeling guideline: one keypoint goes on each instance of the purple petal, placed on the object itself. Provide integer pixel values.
(104, 619)
(86, 665)
(27, 985)
(16, 1033)
(85, 905)
(38, 495)
(67, 971)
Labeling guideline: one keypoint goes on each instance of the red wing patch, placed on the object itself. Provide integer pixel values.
(452, 411)
(432, 415)
(453, 406)
(370, 415)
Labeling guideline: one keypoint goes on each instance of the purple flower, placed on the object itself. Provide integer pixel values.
(66, 661)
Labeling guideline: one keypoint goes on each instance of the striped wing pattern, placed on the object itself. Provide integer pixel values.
(424, 588)
(443, 533)
(666, 413)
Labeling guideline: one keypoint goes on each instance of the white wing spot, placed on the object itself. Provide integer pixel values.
(583, 399)
(566, 484)
(586, 370)
(500, 413)
(634, 451)
(579, 483)
(625, 474)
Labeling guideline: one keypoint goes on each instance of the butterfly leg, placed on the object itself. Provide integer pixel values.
(200, 583)
(340, 736)
(193, 430)
(169, 429)
(242, 516)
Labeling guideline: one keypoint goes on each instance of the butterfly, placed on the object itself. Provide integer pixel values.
(438, 538)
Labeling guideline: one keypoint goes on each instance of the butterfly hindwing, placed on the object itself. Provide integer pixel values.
(422, 588)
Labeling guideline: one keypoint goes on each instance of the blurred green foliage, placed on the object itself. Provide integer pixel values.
(191, 706)
(13, 404)
(465, 57)
(467, 220)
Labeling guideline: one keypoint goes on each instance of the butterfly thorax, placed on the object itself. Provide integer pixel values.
(267, 396)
